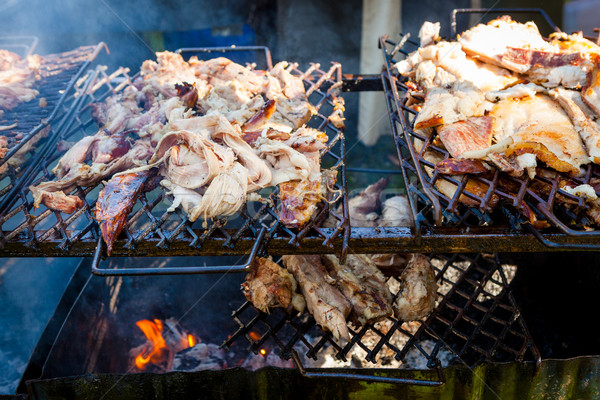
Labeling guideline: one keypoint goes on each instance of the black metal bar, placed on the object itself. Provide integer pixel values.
(361, 241)
(361, 83)
(320, 373)
(498, 11)
(374, 171)
(593, 236)
(224, 49)
(174, 270)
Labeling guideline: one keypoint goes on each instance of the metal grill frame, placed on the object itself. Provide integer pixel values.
(322, 87)
(431, 207)
(461, 323)
(60, 74)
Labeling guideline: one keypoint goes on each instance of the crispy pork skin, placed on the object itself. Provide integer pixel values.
(324, 300)
(490, 42)
(418, 289)
(474, 133)
(116, 201)
(539, 126)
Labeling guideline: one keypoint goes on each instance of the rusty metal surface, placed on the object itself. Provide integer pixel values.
(361, 241)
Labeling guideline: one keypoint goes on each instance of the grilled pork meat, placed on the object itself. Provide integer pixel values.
(418, 289)
(364, 207)
(3, 147)
(363, 285)
(446, 63)
(588, 129)
(116, 201)
(268, 286)
(590, 92)
(474, 133)
(289, 93)
(53, 194)
(490, 42)
(445, 106)
(537, 125)
(251, 136)
(17, 77)
(324, 301)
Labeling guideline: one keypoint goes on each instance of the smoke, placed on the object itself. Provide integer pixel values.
(29, 291)
(133, 30)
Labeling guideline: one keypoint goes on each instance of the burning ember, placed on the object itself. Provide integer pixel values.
(157, 349)
(163, 342)
(169, 347)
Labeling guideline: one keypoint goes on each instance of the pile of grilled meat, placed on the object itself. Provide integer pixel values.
(210, 132)
(356, 291)
(502, 96)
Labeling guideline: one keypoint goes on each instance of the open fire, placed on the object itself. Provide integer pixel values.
(168, 347)
(162, 345)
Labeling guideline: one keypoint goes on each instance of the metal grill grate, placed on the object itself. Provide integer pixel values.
(520, 201)
(476, 319)
(59, 76)
(61, 80)
(149, 221)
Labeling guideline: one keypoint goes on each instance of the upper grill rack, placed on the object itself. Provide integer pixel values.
(149, 220)
(62, 77)
(521, 201)
(59, 75)
(475, 320)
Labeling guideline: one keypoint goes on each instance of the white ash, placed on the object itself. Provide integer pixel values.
(356, 357)
(199, 358)
(257, 361)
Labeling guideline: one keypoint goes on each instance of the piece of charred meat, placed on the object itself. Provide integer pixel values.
(116, 201)
(268, 286)
(324, 300)
(363, 285)
(418, 289)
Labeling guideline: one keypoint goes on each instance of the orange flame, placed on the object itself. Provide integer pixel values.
(157, 350)
(254, 336)
(191, 341)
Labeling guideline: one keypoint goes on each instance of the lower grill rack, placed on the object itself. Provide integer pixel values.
(476, 319)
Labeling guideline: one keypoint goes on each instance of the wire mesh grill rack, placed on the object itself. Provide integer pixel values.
(520, 204)
(169, 232)
(476, 320)
(62, 75)
(59, 75)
